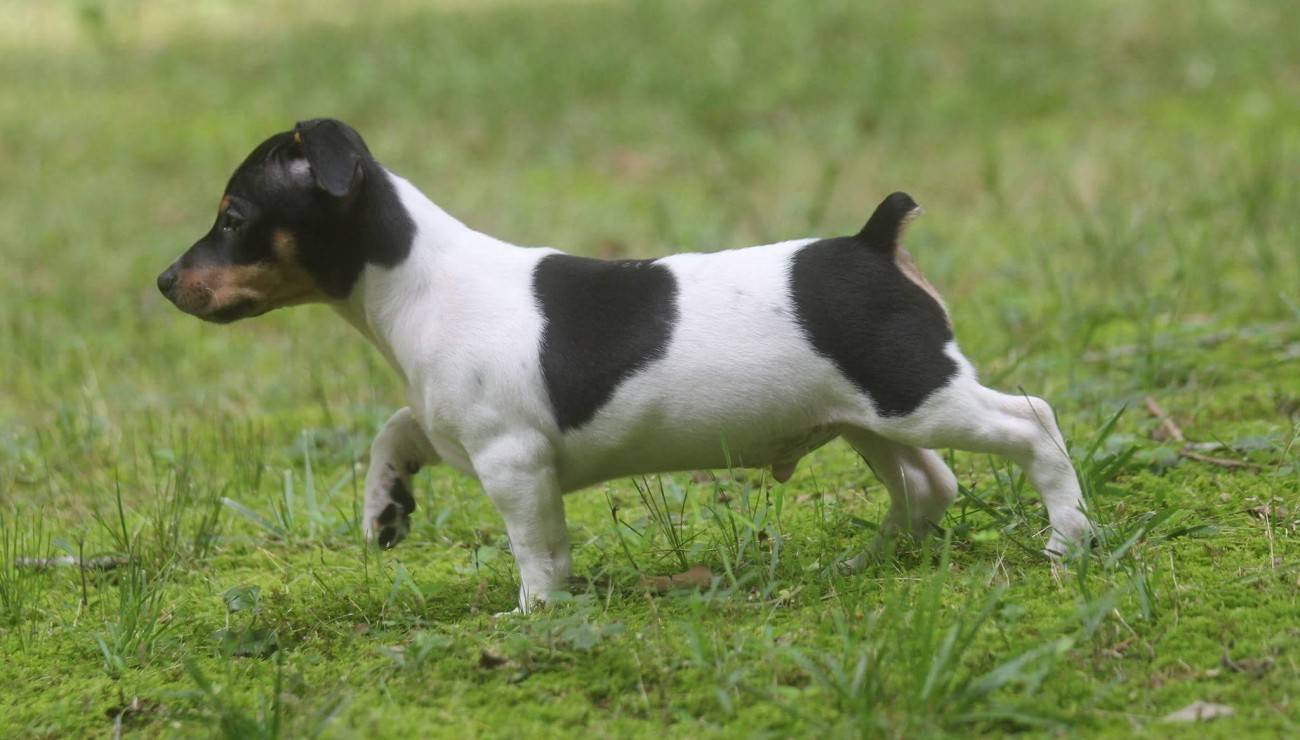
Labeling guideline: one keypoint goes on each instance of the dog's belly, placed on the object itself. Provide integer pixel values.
(676, 417)
(665, 453)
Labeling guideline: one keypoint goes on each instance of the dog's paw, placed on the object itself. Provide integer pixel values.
(1072, 532)
(388, 508)
(391, 526)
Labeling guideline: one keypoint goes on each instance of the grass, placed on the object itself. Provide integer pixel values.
(1110, 194)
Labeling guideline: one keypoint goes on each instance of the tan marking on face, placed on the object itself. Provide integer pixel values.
(284, 245)
(224, 205)
(268, 285)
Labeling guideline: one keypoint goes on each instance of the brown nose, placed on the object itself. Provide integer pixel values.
(167, 281)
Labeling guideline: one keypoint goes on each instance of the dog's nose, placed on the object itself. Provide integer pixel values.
(167, 281)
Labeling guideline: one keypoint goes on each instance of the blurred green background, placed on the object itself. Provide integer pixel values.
(1086, 168)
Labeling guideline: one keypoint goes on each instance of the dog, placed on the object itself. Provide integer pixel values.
(540, 373)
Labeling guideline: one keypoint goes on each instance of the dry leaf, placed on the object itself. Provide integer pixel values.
(1200, 711)
(489, 658)
(1268, 511)
(1254, 667)
(698, 577)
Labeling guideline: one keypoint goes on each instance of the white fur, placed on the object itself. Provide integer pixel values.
(739, 383)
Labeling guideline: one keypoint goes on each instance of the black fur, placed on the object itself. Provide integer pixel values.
(343, 215)
(340, 227)
(885, 226)
(398, 511)
(335, 153)
(859, 310)
(605, 320)
(399, 493)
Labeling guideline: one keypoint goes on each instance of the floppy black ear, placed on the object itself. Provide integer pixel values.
(334, 152)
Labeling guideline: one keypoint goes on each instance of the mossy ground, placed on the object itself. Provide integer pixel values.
(1110, 192)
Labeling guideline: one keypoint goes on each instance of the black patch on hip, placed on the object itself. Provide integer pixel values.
(881, 329)
(605, 320)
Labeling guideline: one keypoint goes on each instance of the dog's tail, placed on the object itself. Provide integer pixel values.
(885, 227)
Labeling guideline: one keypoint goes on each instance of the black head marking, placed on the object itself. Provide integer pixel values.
(885, 227)
(311, 204)
(605, 320)
(859, 309)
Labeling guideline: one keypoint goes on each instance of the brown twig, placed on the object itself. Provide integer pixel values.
(1168, 428)
(1222, 462)
(105, 562)
(698, 577)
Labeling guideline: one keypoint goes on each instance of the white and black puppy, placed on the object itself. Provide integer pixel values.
(540, 373)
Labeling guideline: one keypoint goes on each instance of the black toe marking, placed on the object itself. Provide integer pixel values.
(389, 514)
(605, 320)
(883, 331)
(399, 493)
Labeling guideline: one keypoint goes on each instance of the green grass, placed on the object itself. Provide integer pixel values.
(1110, 193)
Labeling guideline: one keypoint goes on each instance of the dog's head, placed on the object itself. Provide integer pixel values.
(298, 221)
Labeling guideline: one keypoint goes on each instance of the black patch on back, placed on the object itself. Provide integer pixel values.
(605, 320)
(881, 329)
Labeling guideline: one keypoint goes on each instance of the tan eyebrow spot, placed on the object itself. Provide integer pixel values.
(225, 203)
(284, 245)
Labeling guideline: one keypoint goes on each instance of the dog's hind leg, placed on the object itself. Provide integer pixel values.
(967, 416)
(920, 485)
(398, 452)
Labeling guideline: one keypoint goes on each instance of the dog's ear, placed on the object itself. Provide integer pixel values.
(334, 152)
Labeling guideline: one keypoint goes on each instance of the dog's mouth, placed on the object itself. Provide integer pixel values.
(198, 299)
(242, 309)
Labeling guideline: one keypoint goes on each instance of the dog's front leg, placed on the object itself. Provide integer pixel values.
(398, 452)
(518, 474)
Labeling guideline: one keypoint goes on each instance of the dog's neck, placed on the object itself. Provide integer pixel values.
(386, 302)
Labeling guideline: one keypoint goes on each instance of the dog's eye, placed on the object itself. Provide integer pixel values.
(231, 221)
